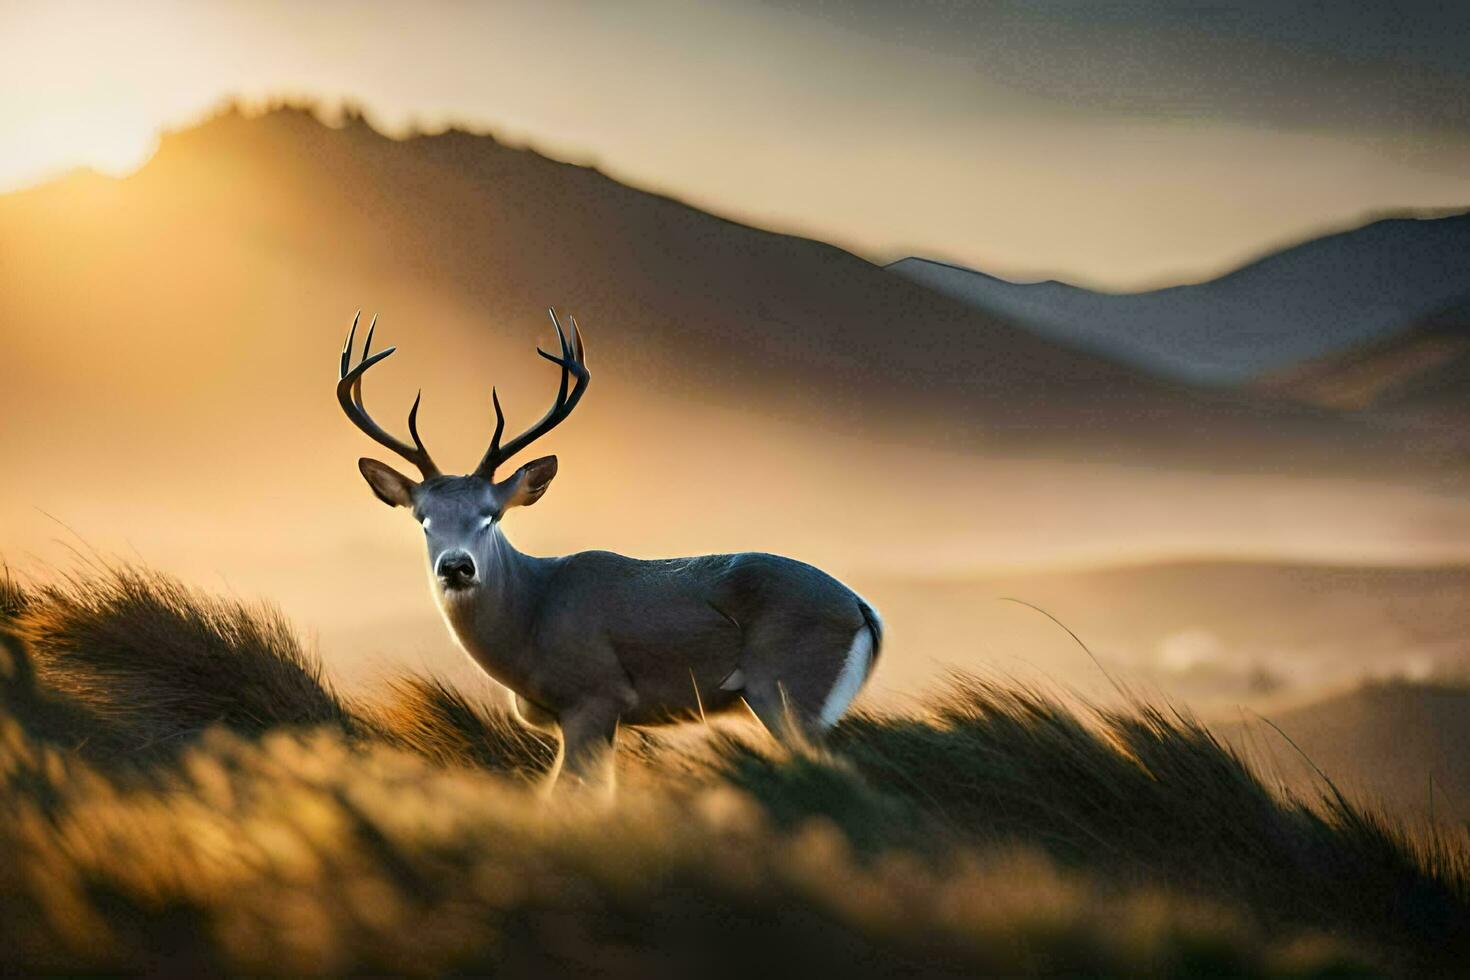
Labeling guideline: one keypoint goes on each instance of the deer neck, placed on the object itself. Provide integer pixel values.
(496, 620)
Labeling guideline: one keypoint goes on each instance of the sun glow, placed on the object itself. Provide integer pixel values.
(106, 118)
(105, 145)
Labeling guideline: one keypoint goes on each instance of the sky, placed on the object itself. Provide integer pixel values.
(1118, 145)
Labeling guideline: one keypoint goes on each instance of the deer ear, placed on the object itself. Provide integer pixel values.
(391, 486)
(526, 485)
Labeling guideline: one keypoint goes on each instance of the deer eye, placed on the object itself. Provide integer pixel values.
(425, 523)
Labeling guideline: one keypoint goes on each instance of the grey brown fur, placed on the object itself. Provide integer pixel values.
(594, 640)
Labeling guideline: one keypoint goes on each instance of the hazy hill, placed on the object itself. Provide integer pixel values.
(280, 226)
(1210, 633)
(1321, 296)
(492, 235)
(1416, 380)
(1382, 742)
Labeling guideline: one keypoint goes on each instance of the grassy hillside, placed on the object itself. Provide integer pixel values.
(184, 791)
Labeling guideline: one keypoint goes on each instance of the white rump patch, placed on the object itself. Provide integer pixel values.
(850, 680)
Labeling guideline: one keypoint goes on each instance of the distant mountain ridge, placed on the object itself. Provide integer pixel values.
(708, 308)
(1304, 302)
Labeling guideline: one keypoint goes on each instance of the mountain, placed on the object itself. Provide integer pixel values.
(1304, 302)
(680, 298)
(284, 210)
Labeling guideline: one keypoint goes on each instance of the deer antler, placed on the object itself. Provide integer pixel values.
(349, 394)
(573, 362)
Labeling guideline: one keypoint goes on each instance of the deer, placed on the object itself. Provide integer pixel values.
(592, 641)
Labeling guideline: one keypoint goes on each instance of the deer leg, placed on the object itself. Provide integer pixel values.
(780, 714)
(588, 735)
(796, 674)
(532, 715)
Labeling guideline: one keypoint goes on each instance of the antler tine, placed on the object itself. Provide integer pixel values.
(367, 346)
(413, 430)
(349, 396)
(572, 366)
(499, 428)
(578, 346)
(566, 353)
(347, 347)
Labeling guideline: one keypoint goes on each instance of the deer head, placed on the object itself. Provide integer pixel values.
(460, 514)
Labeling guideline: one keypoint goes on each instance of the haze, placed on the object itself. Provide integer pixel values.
(1119, 146)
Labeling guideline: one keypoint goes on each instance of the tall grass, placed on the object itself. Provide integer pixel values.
(287, 829)
(427, 716)
(157, 663)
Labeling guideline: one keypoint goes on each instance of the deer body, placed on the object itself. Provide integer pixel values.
(593, 640)
(666, 639)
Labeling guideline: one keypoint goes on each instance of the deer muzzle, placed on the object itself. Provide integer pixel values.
(456, 570)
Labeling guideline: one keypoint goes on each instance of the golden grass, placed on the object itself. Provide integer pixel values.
(288, 829)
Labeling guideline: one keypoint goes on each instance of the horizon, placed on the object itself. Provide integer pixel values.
(809, 84)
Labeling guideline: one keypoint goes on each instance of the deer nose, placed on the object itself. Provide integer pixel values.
(456, 569)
